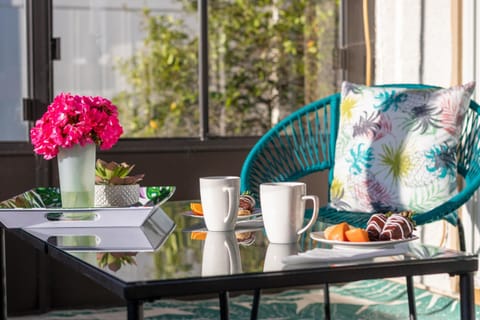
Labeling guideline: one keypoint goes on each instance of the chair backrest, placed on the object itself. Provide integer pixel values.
(300, 144)
(304, 143)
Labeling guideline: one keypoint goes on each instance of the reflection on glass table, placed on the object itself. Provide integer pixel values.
(148, 237)
(189, 248)
(221, 254)
(158, 262)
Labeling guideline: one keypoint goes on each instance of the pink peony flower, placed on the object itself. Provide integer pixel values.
(71, 120)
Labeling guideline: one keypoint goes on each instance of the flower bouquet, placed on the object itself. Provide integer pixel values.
(71, 128)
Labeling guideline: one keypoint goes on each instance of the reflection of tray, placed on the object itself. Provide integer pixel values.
(41, 208)
(149, 237)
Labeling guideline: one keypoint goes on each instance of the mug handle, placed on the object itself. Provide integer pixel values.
(232, 210)
(314, 214)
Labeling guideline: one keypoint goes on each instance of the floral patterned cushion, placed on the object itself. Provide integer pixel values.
(396, 147)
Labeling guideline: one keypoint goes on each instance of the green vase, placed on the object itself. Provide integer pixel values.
(76, 169)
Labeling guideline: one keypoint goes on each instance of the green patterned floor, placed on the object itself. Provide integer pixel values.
(368, 300)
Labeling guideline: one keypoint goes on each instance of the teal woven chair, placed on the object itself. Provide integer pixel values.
(304, 143)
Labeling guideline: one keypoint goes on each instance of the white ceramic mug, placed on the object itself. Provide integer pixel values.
(220, 200)
(283, 210)
(221, 254)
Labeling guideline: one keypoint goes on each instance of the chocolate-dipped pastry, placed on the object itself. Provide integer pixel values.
(246, 205)
(246, 202)
(397, 227)
(375, 226)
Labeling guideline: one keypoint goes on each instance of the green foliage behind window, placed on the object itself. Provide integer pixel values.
(266, 58)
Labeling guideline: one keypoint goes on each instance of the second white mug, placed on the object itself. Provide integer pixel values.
(283, 210)
(220, 199)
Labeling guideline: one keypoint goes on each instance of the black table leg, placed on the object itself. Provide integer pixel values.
(134, 310)
(326, 301)
(467, 309)
(412, 308)
(255, 304)
(3, 276)
(223, 297)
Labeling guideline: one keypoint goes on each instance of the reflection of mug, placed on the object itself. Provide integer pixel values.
(221, 254)
(275, 254)
(283, 210)
(220, 200)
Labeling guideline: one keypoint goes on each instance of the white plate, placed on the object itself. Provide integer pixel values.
(319, 236)
(255, 214)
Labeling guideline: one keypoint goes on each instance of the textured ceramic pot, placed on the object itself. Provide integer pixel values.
(116, 195)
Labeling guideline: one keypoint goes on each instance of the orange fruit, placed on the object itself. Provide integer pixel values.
(357, 235)
(337, 232)
(196, 208)
(198, 235)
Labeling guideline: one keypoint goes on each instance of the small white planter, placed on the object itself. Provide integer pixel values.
(116, 195)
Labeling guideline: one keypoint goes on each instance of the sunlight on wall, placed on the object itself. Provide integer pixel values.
(404, 41)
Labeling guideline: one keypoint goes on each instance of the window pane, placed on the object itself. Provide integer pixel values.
(140, 54)
(267, 58)
(12, 70)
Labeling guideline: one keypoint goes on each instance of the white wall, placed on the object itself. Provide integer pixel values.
(398, 50)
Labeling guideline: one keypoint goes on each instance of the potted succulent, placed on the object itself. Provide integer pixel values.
(113, 185)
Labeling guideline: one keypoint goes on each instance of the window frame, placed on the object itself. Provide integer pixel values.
(41, 51)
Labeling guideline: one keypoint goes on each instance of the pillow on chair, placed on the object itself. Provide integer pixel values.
(396, 147)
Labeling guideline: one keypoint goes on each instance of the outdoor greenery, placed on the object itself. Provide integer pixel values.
(266, 58)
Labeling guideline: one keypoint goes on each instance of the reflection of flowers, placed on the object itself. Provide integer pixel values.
(72, 120)
(115, 260)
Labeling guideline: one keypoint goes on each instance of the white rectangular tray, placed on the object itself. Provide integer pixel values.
(44, 210)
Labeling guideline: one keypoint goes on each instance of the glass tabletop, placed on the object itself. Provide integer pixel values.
(172, 245)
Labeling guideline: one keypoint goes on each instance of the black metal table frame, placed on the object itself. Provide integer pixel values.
(136, 293)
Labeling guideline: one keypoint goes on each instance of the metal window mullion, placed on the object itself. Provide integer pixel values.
(39, 60)
(40, 70)
(203, 68)
(40, 90)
